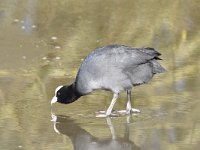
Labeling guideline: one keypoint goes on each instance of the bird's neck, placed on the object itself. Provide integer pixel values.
(76, 93)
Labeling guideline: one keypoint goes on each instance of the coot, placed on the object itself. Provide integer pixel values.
(115, 68)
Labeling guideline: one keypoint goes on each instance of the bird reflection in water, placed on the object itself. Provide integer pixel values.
(83, 140)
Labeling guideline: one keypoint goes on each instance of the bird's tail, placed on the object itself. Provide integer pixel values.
(157, 68)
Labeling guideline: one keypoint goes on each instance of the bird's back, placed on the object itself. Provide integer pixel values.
(117, 68)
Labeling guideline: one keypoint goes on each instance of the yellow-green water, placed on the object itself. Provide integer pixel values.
(42, 44)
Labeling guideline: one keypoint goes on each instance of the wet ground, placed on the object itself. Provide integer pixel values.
(42, 44)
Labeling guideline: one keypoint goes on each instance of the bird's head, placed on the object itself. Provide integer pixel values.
(65, 94)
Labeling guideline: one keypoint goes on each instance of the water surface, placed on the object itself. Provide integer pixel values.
(42, 44)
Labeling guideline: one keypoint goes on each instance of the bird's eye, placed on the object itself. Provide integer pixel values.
(58, 94)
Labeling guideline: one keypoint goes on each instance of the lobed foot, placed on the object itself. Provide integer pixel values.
(125, 112)
(133, 110)
(102, 114)
(115, 113)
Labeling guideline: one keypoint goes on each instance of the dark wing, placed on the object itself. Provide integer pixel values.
(150, 51)
(123, 56)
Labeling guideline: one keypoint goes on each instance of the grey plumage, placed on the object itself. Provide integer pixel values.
(117, 68)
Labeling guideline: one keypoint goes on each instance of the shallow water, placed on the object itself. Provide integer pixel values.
(42, 44)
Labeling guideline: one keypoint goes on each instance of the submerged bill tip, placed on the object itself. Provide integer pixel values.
(54, 100)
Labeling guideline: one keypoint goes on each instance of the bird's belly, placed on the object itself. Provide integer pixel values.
(117, 85)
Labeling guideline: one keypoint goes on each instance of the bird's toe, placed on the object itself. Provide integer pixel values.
(103, 114)
(133, 110)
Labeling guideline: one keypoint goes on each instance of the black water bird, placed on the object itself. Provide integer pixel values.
(115, 68)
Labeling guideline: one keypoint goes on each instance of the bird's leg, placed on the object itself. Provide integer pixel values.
(114, 99)
(128, 104)
(129, 109)
(109, 110)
